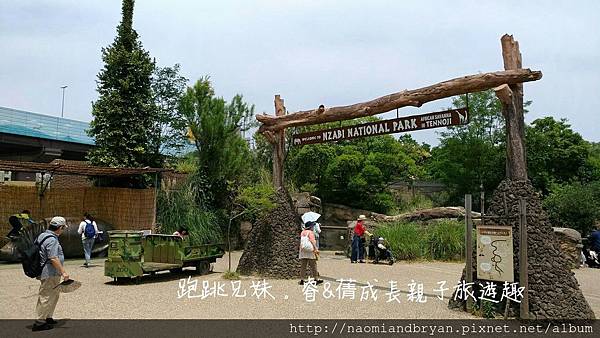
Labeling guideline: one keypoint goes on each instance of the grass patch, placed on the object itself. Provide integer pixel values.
(177, 208)
(231, 275)
(410, 241)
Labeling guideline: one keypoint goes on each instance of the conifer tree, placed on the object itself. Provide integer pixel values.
(125, 124)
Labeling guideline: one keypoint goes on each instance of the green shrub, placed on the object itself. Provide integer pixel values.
(446, 240)
(178, 208)
(417, 202)
(411, 241)
(574, 206)
(407, 241)
(382, 202)
(257, 200)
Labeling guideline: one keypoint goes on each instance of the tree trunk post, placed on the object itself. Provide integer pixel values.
(511, 97)
(278, 146)
(468, 246)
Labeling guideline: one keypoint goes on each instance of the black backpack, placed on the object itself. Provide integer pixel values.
(30, 256)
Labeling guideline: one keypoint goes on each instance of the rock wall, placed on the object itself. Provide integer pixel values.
(272, 246)
(569, 242)
(553, 290)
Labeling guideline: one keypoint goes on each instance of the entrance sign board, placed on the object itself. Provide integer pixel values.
(452, 117)
(495, 253)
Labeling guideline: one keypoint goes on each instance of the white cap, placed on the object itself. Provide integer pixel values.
(58, 221)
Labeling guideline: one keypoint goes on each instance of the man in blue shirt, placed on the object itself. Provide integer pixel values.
(52, 259)
(595, 239)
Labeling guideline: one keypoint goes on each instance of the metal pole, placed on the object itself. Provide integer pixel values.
(62, 109)
(469, 246)
(229, 245)
(482, 201)
(523, 277)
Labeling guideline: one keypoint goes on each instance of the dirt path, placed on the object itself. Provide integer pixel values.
(157, 296)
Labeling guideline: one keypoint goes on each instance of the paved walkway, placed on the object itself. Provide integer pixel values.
(157, 296)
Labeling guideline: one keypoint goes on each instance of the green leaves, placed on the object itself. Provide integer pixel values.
(473, 154)
(355, 172)
(223, 155)
(556, 154)
(125, 123)
(574, 206)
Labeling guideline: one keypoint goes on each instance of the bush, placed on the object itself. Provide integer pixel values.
(410, 241)
(257, 200)
(177, 208)
(417, 202)
(446, 240)
(407, 241)
(574, 206)
(382, 202)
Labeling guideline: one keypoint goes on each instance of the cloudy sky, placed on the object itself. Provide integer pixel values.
(311, 52)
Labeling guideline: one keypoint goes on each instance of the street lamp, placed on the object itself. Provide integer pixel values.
(62, 109)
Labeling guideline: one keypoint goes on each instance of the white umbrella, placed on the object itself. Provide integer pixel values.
(310, 216)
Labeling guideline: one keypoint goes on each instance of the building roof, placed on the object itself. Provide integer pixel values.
(24, 123)
(72, 168)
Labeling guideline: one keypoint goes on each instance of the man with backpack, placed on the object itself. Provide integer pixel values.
(88, 229)
(51, 260)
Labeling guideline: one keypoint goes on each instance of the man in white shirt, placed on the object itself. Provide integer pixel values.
(88, 229)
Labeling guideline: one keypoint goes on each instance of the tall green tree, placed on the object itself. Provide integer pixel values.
(125, 124)
(168, 87)
(223, 155)
(472, 155)
(355, 172)
(556, 154)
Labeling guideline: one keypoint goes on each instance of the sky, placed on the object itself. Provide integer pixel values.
(310, 52)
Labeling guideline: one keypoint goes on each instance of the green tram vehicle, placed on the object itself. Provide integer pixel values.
(131, 254)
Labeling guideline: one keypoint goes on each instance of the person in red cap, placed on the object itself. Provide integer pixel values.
(358, 251)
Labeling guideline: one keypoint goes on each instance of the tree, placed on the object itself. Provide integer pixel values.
(555, 153)
(168, 88)
(124, 124)
(473, 154)
(355, 172)
(223, 155)
(574, 206)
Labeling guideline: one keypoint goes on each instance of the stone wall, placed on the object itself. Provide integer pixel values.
(569, 242)
(553, 290)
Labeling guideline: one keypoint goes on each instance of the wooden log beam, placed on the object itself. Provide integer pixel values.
(277, 139)
(511, 97)
(415, 97)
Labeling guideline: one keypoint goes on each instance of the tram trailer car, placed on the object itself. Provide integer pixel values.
(131, 254)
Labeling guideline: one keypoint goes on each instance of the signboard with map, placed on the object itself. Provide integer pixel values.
(495, 253)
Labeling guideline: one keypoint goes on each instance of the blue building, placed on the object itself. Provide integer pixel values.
(27, 136)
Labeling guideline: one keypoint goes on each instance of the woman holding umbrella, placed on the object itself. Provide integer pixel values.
(312, 216)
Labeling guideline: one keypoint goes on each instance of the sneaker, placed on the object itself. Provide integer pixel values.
(301, 282)
(361, 261)
(41, 327)
(51, 321)
(352, 261)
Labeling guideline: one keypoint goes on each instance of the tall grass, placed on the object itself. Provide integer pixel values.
(446, 240)
(406, 240)
(177, 208)
(411, 241)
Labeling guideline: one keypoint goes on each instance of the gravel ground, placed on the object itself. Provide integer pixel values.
(157, 296)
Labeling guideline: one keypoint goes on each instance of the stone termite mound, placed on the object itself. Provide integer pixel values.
(272, 246)
(553, 290)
